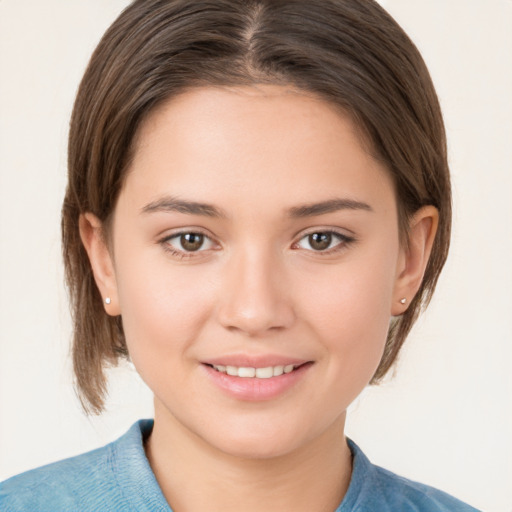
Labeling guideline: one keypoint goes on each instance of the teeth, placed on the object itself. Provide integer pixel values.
(279, 370)
(246, 372)
(258, 373)
(232, 370)
(265, 373)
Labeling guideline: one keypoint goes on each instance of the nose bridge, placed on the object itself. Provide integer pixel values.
(253, 297)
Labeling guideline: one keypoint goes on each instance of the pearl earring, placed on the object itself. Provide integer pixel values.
(403, 301)
(107, 300)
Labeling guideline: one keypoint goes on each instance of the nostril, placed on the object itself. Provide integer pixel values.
(255, 318)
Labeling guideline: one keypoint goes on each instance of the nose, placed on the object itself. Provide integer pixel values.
(254, 298)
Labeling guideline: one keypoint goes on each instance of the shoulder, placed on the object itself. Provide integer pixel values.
(416, 496)
(61, 485)
(95, 480)
(375, 488)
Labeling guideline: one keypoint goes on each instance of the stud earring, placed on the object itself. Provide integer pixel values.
(403, 301)
(107, 300)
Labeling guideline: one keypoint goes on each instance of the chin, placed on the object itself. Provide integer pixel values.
(258, 439)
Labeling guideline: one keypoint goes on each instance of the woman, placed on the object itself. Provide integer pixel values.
(258, 206)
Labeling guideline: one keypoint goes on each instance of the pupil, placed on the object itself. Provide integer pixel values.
(320, 241)
(191, 241)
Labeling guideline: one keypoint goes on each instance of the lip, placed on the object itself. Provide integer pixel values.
(254, 389)
(261, 361)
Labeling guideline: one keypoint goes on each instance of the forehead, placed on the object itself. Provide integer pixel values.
(239, 142)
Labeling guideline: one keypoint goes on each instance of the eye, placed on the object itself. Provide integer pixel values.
(189, 242)
(323, 241)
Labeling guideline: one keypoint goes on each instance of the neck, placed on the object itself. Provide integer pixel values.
(193, 475)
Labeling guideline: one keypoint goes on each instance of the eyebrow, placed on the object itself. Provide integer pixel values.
(332, 205)
(173, 204)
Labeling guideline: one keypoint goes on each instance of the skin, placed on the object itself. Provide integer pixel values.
(257, 286)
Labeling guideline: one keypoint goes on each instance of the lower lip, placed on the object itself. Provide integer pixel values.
(253, 389)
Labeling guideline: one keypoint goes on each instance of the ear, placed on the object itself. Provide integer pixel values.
(92, 235)
(414, 257)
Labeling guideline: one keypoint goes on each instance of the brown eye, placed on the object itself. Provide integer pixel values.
(320, 241)
(188, 242)
(325, 242)
(191, 241)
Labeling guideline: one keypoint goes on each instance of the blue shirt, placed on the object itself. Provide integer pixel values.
(118, 477)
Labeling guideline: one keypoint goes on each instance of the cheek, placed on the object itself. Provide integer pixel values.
(350, 311)
(163, 307)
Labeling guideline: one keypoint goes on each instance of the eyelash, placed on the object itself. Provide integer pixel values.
(164, 242)
(344, 241)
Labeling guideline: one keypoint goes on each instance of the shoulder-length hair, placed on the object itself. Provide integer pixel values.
(351, 53)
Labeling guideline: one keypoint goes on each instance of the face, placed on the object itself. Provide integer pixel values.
(255, 263)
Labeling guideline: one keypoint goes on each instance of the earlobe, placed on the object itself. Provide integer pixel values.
(414, 257)
(92, 235)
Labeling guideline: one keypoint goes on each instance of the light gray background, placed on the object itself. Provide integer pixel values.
(446, 417)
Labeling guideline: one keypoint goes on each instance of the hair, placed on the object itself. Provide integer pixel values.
(351, 53)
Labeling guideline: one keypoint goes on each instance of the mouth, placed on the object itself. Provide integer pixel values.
(256, 380)
(248, 372)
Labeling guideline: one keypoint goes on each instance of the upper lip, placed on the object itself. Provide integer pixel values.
(259, 361)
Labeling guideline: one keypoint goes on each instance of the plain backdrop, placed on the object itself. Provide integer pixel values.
(445, 418)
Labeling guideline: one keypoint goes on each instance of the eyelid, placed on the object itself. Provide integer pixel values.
(345, 239)
(164, 241)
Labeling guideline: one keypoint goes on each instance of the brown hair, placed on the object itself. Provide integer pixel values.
(348, 52)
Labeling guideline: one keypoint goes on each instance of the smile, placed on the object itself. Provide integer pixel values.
(255, 373)
(259, 382)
